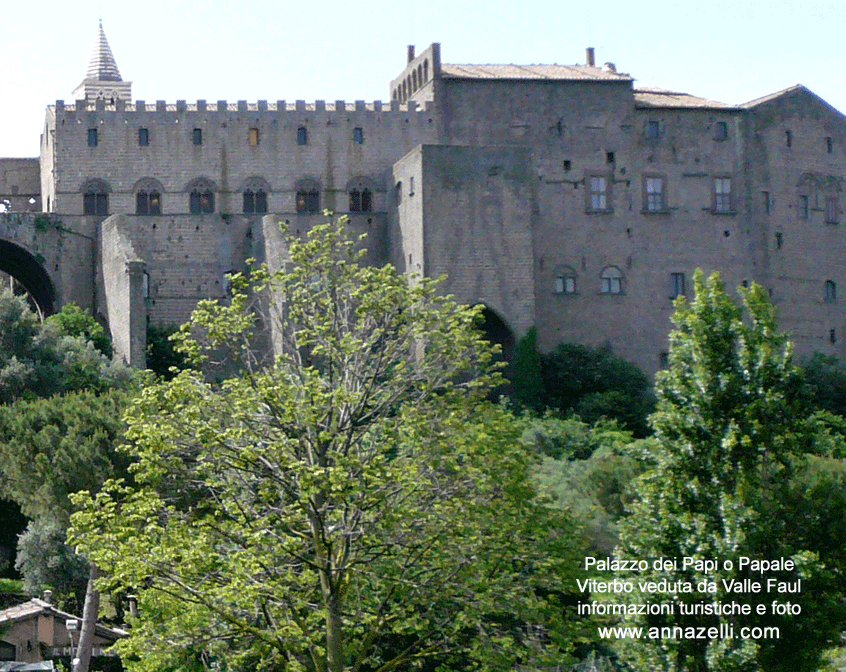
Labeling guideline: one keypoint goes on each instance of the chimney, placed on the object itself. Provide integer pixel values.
(48, 596)
(589, 57)
(410, 53)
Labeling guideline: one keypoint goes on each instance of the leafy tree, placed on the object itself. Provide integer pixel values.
(72, 320)
(46, 561)
(526, 376)
(732, 429)
(162, 355)
(826, 379)
(49, 448)
(40, 360)
(353, 504)
(595, 383)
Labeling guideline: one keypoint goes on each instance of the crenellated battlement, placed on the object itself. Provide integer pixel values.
(223, 106)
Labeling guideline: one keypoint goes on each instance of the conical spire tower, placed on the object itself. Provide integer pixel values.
(102, 78)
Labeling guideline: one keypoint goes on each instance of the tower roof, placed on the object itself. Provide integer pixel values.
(101, 64)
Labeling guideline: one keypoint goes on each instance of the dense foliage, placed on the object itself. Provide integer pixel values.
(591, 383)
(355, 503)
(732, 475)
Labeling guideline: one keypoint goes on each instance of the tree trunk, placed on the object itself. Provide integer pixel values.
(89, 622)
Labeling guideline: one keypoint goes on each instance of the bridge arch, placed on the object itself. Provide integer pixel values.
(496, 330)
(23, 267)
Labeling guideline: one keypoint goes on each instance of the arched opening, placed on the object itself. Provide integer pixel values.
(497, 332)
(28, 274)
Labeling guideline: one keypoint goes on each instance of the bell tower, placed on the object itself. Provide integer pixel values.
(102, 78)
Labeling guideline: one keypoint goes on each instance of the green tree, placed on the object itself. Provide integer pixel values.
(825, 376)
(732, 429)
(162, 355)
(50, 447)
(526, 376)
(595, 383)
(38, 360)
(72, 320)
(353, 504)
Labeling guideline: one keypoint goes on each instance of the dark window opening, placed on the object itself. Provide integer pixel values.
(721, 131)
(358, 136)
(255, 202)
(829, 145)
(308, 201)
(361, 201)
(143, 137)
(197, 136)
(779, 239)
(567, 165)
(148, 203)
(677, 285)
(653, 130)
(830, 291)
(832, 335)
(609, 157)
(788, 136)
(201, 202)
(302, 135)
(95, 203)
(92, 137)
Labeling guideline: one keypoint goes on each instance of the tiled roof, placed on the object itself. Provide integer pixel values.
(559, 72)
(773, 96)
(647, 97)
(34, 607)
(102, 65)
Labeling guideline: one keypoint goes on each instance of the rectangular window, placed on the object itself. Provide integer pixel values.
(358, 135)
(653, 130)
(254, 137)
(721, 131)
(197, 136)
(788, 138)
(804, 206)
(831, 210)
(92, 137)
(829, 145)
(598, 193)
(677, 285)
(411, 186)
(722, 195)
(302, 135)
(765, 202)
(143, 137)
(653, 189)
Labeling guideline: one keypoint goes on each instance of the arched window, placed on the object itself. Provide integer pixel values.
(95, 198)
(255, 192)
(308, 197)
(565, 280)
(360, 190)
(612, 280)
(201, 196)
(830, 291)
(426, 70)
(148, 197)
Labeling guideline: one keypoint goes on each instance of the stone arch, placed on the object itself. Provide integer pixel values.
(21, 265)
(496, 330)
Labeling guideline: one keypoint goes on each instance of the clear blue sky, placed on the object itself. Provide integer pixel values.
(732, 51)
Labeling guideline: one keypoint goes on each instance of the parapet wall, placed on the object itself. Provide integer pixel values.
(281, 145)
